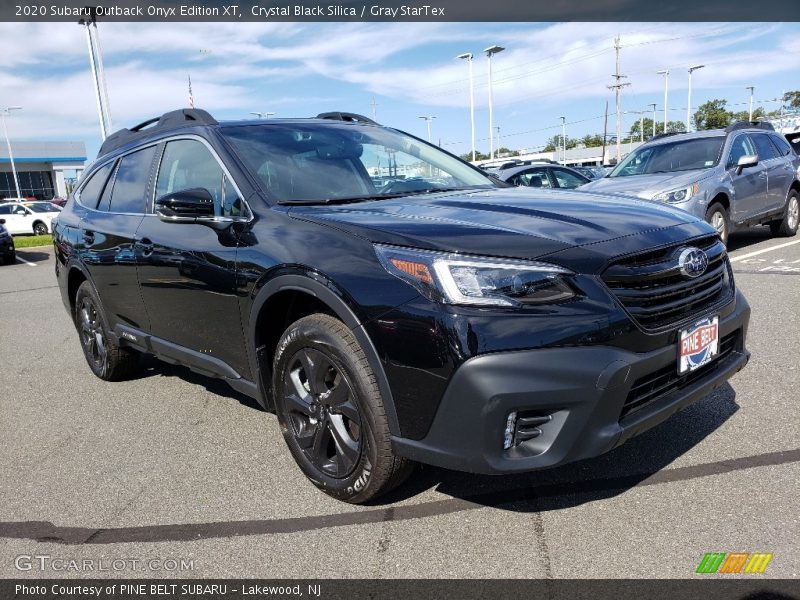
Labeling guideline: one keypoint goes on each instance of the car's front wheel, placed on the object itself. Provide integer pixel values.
(39, 228)
(331, 411)
(104, 356)
(717, 216)
(787, 226)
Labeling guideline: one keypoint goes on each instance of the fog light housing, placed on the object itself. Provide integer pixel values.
(508, 434)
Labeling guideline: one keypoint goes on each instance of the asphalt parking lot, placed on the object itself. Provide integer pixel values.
(174, 466)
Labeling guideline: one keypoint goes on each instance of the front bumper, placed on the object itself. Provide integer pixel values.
(582, 390)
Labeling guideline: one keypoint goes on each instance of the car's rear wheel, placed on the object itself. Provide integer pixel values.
(787, 226)
(105, 358)
(717, 216)
(39, 228)
(331, 411)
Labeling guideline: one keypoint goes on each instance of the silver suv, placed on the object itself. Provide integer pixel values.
(736, 177)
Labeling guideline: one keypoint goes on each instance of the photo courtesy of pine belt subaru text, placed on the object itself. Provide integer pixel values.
(388, 301)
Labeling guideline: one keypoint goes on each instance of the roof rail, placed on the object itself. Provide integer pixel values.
(749, 125)
(663, 135)
(346, 116)
(169, 120)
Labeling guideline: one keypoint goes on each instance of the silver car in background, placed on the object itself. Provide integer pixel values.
(736, 177)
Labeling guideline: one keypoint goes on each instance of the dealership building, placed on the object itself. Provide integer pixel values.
(43, 168)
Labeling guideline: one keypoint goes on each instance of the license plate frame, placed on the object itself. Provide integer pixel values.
(698, 345)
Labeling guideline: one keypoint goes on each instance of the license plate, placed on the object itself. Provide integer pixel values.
(698, 345)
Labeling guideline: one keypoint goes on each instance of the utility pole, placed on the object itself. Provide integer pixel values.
(617, 87)
(654, 117)
(491, 50)
(665, 73)
(563, 140)
(374, 106)
(468, 56)
(641, 126)
(4, 112)
(689, 100)
(605, 135)
(98, 75)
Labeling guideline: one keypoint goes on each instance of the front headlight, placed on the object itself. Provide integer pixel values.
(475, 280)
(680, 195)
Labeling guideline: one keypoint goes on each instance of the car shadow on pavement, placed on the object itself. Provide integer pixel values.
(748, 237)
(33, 255)
(641, 459)
(152, 367)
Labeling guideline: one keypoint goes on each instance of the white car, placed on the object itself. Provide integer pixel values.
(29, 217)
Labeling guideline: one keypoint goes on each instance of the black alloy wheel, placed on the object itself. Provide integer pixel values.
(322, 413)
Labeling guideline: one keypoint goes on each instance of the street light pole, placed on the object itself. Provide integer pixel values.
(654, 117)
(689, 100)
(751, 88)
(489, 52)
(4, 112)
(428, 120)
(665, 73)
(563, 140)
(468, 57)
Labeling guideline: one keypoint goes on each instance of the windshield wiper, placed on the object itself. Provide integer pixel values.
(367, 197)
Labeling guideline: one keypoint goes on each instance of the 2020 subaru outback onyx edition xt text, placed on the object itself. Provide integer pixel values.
(389, 301)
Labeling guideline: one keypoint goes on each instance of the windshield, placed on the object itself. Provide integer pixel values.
(314, 162)
(42, 207)
(683, 155)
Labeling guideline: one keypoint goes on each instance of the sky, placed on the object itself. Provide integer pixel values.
(410, 69)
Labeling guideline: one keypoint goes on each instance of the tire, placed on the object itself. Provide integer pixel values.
(105, 358)
(39, 228)
(717, 216)
(787, 227)
(331, 411)
(10, 259)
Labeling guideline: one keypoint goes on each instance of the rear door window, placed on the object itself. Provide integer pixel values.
(130, 182)
(781, 144)
(764, 147)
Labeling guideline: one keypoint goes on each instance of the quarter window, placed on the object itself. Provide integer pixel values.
(188, 164)
(90, 192)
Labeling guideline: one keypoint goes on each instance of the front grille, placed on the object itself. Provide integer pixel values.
(654, 292)
(665, 381)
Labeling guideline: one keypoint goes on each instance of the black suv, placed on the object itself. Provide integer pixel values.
(389, 301)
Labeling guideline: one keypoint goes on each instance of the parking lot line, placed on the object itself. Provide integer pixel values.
(22, 260)
(757, 252)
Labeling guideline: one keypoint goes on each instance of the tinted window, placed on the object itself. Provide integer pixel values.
(90, 192)
(5, 210)
(741, 146)
(567, 179)
(188, 164)
(764, 148)
(781, 143)
(131, 181)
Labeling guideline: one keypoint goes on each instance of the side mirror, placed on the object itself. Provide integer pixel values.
(749, 160)
(186, 206)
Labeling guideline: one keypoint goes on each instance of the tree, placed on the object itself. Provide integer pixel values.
(744, 115)
(792, 99)
(478, 156)
(712, 115)
(554, 143)
(675, 127)
(592, 141)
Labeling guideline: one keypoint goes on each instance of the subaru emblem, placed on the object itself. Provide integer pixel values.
(692, 262)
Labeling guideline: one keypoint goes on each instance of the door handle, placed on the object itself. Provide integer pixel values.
(88, 237)
(146, 246)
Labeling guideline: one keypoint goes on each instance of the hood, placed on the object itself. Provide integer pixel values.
(514, 222)
(646, 186)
